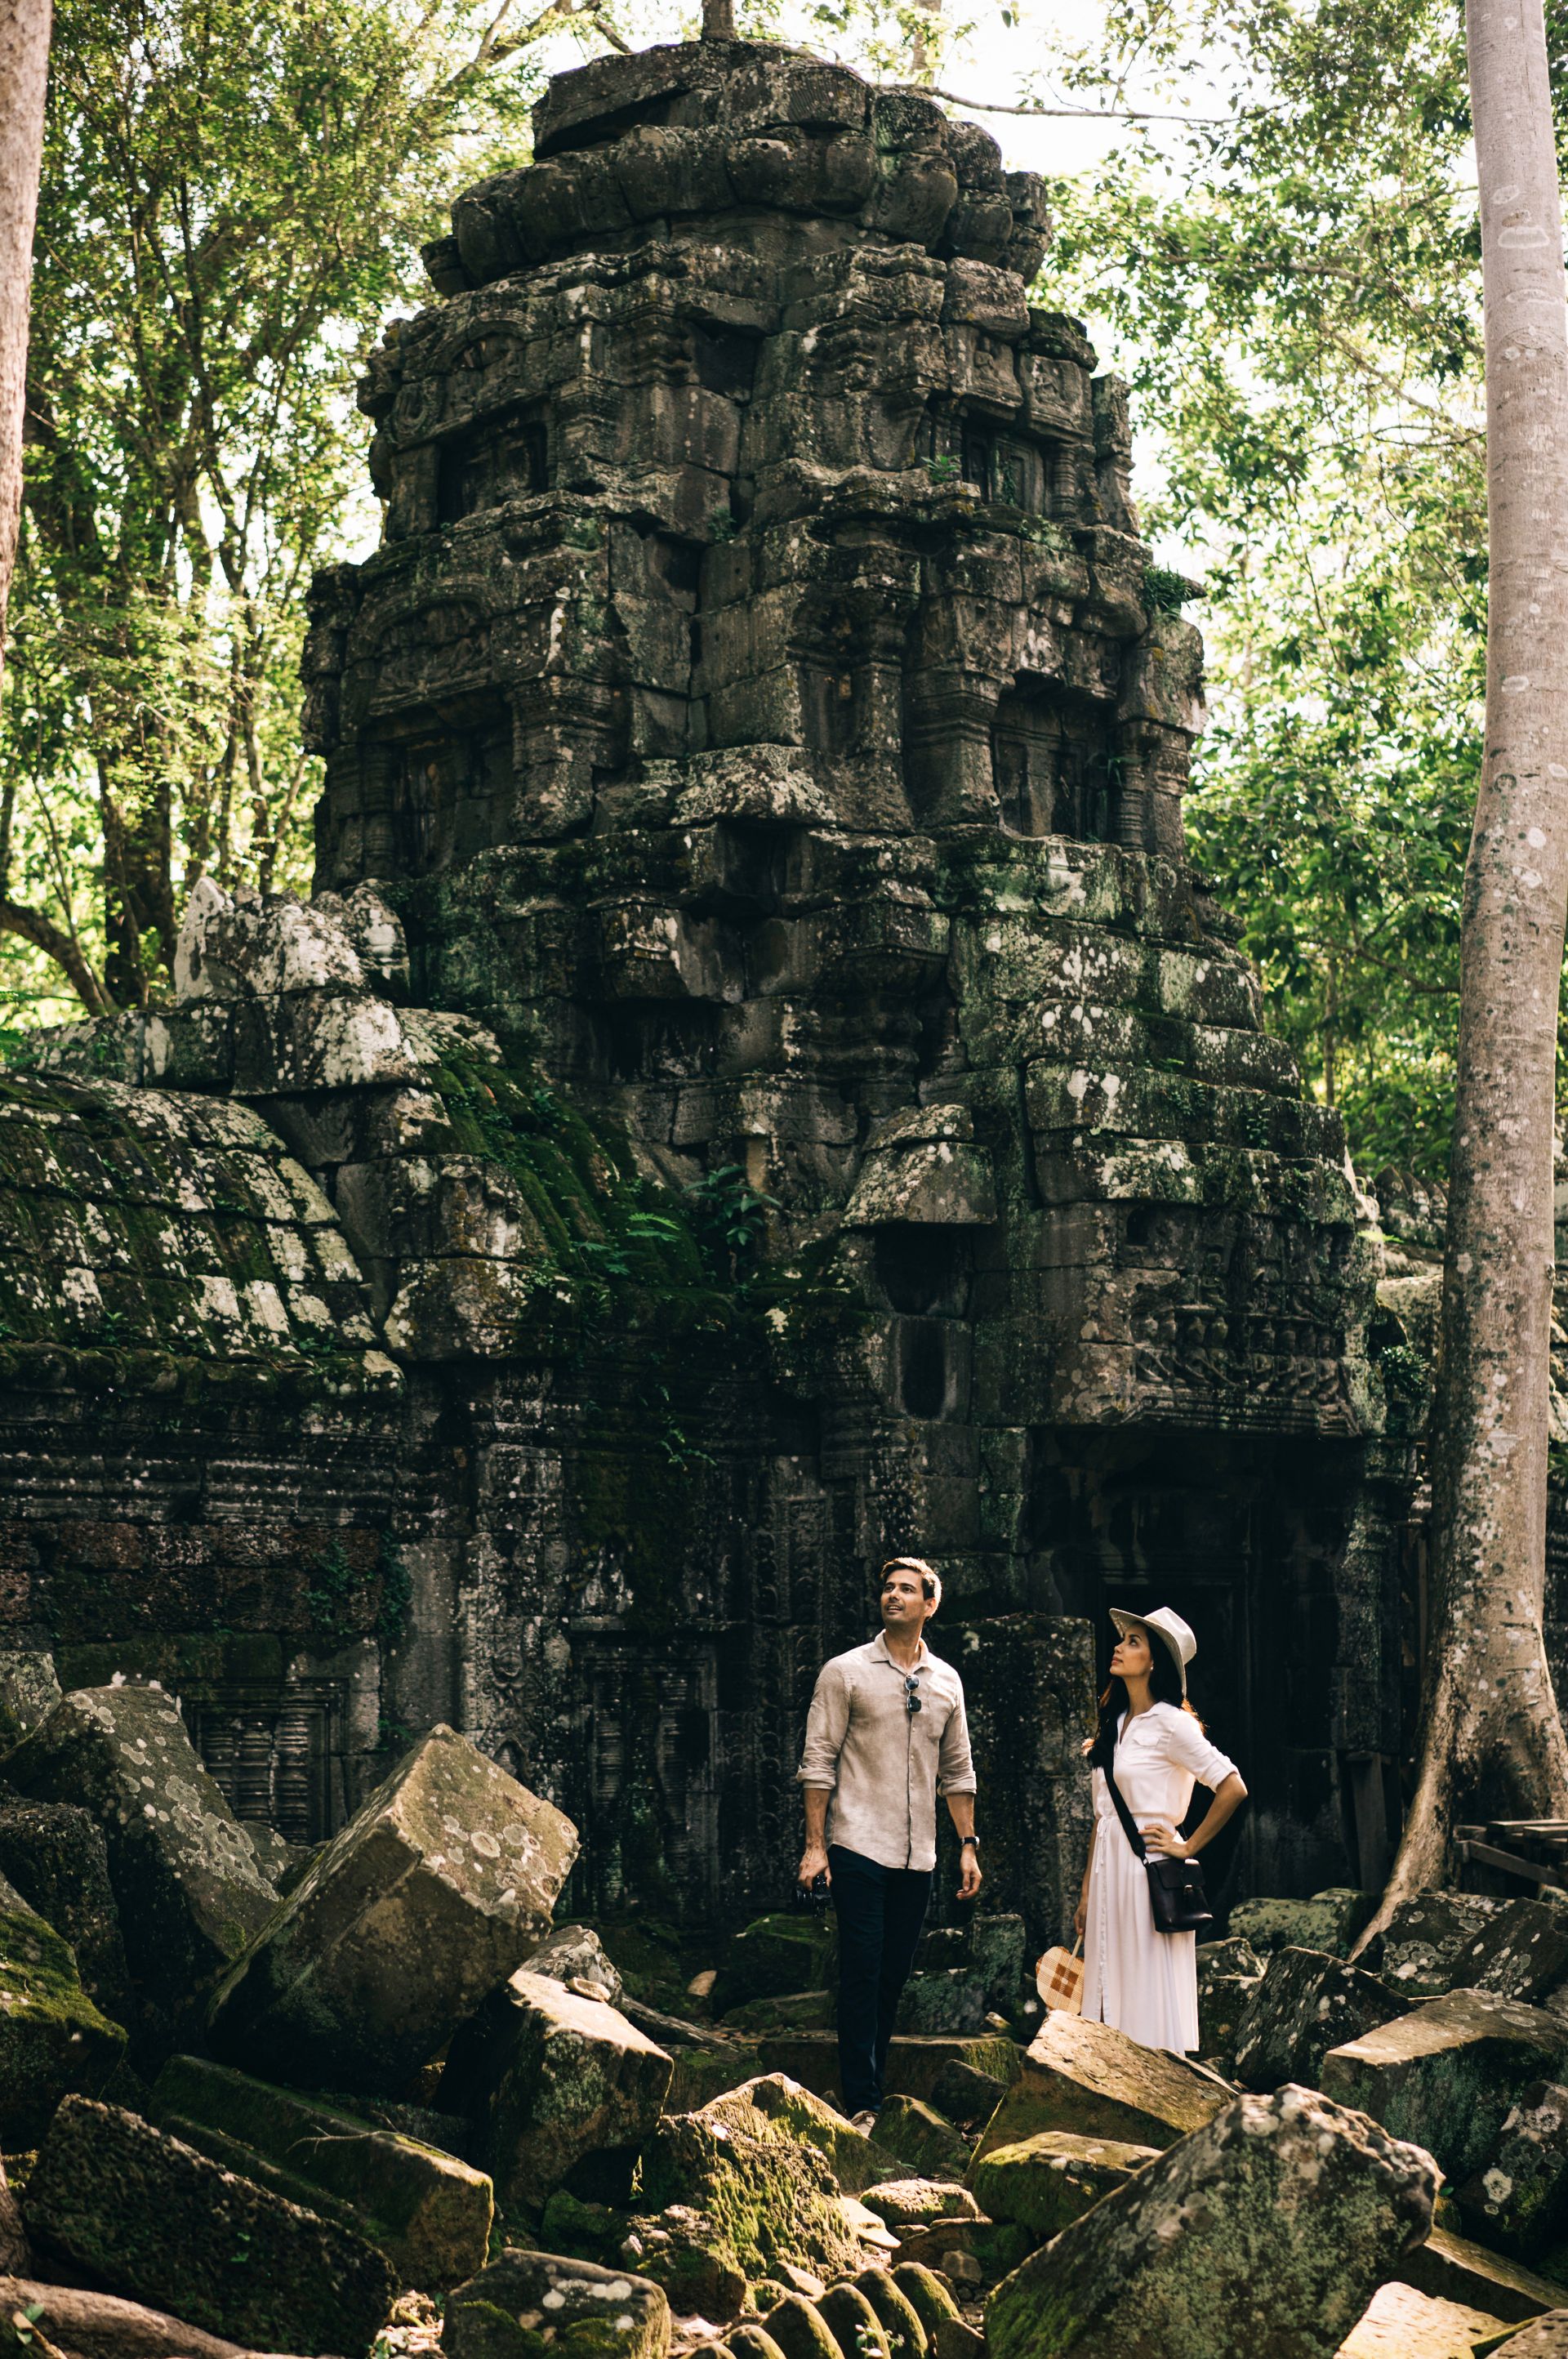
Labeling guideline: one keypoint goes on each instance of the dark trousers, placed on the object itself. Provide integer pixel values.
(881, 1912)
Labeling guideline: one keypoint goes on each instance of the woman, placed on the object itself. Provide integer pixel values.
(1146, 1982)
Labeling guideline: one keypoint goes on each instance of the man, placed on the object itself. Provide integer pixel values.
(885, 1736)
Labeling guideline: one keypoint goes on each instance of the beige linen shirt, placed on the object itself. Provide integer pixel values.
(883, 1765)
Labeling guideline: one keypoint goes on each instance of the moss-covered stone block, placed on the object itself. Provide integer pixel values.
(1306, 2003)
(922, 2138)
(154, 2219)
(929, 2295)
(1418, 1951)
(430, 1896)
(52, 2038)
(427, 2212)
(906, 2337)
(527, 2305)
(1045, 2181)
(187, 1890)
(548, 2077)
(1269, 2228)
(1228, 1973)
(1330, 1920)
(853, 2324)
(1449, 2075)
(902, 2203)
(800, 2330)
(55, 1857)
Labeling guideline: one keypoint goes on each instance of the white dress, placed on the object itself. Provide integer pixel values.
(1144, 1983)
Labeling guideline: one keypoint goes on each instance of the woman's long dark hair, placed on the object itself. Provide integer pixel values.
(1164, 1685)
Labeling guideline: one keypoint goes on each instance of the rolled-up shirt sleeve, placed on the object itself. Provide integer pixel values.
(1189, 1745)
(826, 1725)
(955, 1763)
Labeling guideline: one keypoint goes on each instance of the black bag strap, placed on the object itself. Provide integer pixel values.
(1127, 1827)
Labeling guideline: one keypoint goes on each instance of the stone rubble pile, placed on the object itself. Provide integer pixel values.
(397, 2106)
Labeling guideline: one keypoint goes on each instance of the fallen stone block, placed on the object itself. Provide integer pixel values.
(152, 2218)
(547, 2078)
(786, 1952)
(525, 2304)
(16, 2253)
(1400, 2323)
(89, 2325)
(1266, 2229)
(814, 2010)
(954, 2000)
(187, 1892)
(1330, 1920)
(708, 2060)
(915, 2202)
(907, 2338)
(997, 1950)
(30, 1690)
(1446, 2076)
(1521, 1951)
(1046, 2180)
(52, 2038)
(55, 1857)
(966, 2096)
(574, 1953)
(739, 2196)
(1416, 1952)
(1306, 2003)
(427, 2212)
(856, 2161)
(1518, 2200)
(1091, 2079)
(1459, 2270)
(431, 1895)
(749, 2341)
(919, 2135)
(1228, 1973)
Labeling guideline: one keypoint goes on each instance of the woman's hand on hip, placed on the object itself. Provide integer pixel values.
(1161, 1837)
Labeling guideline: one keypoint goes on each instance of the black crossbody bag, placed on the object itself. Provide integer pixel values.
(1177, 1891)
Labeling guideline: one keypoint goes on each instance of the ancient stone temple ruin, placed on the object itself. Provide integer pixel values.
(758, 1087)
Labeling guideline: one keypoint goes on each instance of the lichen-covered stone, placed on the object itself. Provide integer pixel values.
(546, 2077)
(187, 1890)
(998, 1947)
(1045, 2181)
(855, 2161)
(913, 2202)
(1330, 1921)
(52, 2038)
(428, 1897)
(1521, 1951)
(1543, 2338)
(1228, 1973)
(1090, 2078)
(525, 2305)
(1306, 2003)
(1448, 2074)
(427, 2212)
(1518, 2198)
(1417, 1951)
(954, 2000)
(30, 1690)
(575, 1954)
(152, 2218)
(965, 2096)
(921, 2136)
(1269, 2227)
(55, 1857)
(906, 2337)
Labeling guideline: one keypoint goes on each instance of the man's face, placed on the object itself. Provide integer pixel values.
(904, 1603)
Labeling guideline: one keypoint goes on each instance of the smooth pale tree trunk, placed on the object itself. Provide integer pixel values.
(1492, 1742)
(23, 70)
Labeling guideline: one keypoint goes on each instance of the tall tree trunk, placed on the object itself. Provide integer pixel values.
(23, 72)
(717, 20)
(1492, 1742)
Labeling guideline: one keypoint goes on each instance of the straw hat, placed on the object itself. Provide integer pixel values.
(1166, 1624)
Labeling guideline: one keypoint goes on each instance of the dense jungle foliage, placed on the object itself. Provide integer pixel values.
(1289, 272)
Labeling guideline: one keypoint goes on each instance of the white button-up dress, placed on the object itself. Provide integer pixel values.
(1144, 1983)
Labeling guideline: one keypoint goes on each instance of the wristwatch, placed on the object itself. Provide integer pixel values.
(968, 1843)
